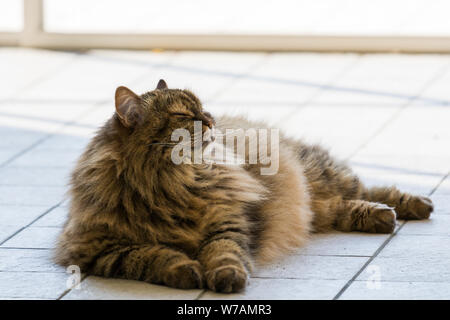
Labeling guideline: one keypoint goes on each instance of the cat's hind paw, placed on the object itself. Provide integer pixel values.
(416, 208)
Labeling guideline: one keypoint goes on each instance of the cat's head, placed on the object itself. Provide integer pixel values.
(152, 117)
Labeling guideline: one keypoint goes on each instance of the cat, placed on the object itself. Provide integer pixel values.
(135, 214)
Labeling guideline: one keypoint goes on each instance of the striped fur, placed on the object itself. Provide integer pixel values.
(136, 215)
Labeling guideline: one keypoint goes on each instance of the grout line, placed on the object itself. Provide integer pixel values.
(29, 224)
(201, 294)
(321, 90)
(238, 76)
(401, 109)
(20, 153)
(383, 245)
(285, 81)
(439, 183)
(68, 290)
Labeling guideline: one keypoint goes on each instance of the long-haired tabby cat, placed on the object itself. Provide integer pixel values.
(135, 214)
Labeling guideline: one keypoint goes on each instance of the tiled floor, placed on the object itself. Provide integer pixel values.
(389, 115)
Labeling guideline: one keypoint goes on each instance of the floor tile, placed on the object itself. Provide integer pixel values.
(409, 268)
(283, 289)
(32, 176)
(441, 203)
(43, 158)
(27, 260)
(18, 138)
(17, 215)
(31, 196)
(312, 267)
(416, 183)
(27, 285)
(117, 289)
(398, 291)
(417, 246)
(88, 77)
(25, 67)
(7, 231)
(343, 244)
(384, 78)
(335, 127)
(436, 225)
(34, 237)
(443, 190)
(55, 218)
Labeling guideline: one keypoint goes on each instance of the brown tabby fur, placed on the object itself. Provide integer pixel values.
(135, 214)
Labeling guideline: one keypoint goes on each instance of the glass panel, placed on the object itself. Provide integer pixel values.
(11, 15)
(348, 17)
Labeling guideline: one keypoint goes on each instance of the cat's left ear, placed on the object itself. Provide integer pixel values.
(128, 107)
(161, 85)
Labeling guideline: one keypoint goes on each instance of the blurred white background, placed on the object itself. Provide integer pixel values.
(330, 17)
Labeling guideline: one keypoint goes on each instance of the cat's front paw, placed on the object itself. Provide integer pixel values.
(417, 208)
(381, 219)
(228, 278)
(185, 275)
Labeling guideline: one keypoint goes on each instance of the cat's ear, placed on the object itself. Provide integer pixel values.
(161, 85)
(128, 107)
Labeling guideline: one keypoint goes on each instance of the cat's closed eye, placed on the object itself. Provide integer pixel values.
(182, 115)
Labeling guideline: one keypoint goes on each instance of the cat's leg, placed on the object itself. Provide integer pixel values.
(151, 263)
(225, 257)
(407, 206)
(352, 215)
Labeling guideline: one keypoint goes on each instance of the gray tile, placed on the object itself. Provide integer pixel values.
(343, 244)
(398, 291)
(30, 260)
(96, 288)
(20, 216)
(436, 225)
(42, 285)
(45, 158)
(312, 267)
(414, 183)
(417, 246)
(9, 153)
(409, 268)
(31, 196)
(7, 231)
(29, 176)
(34, 237)
(16, 137)
(441, 203)
(287, 289)
(444, 189)
(64, 141)
(55, 218)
